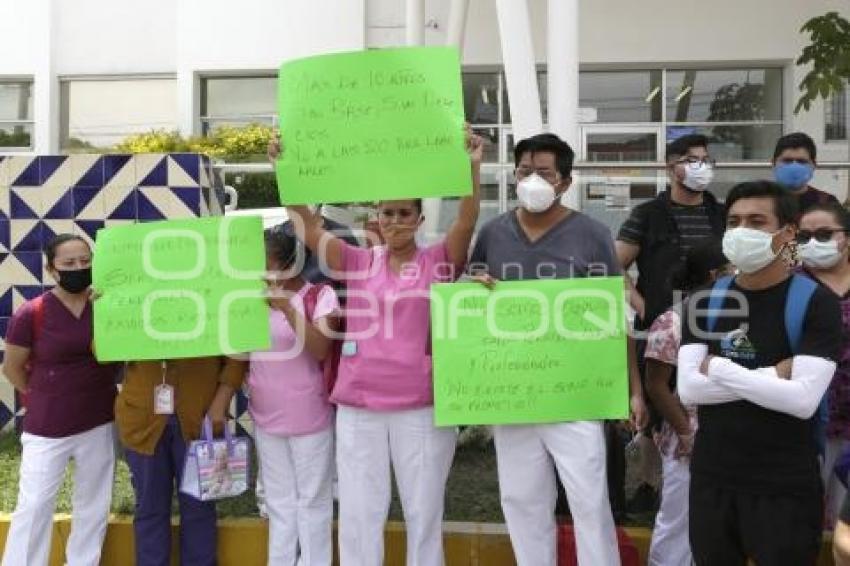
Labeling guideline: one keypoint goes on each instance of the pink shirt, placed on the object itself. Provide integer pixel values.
(288, 395)
(386, 361)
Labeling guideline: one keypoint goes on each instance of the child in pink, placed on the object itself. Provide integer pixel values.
(291, 412)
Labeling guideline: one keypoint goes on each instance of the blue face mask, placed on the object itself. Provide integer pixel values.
(793, 176)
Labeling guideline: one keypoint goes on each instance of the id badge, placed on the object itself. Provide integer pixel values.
(163, 399)
(349, 348)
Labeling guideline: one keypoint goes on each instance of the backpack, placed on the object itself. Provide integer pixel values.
(37, 324)
(330, 365)
(796, 305)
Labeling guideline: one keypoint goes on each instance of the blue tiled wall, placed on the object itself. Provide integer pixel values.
(50, 194)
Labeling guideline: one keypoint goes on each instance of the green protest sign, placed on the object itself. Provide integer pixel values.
(529, 351)
(179, 289)
(372, 125)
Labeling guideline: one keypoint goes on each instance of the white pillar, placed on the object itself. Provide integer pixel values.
(46, 84)
(562, 77)
(188, 102)
(415, 22)
(520, 69)
(415, 35)
(457, 23)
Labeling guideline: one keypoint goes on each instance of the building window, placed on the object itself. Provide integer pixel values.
(237, 101)
(16, 122)
(100, 113)
(622, 97)
(738, 110)
(836, 116)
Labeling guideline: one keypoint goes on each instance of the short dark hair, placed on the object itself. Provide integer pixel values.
(680, 146)
(417, 203)
(549, 143)
(705, 257)
(283, 246)
(53, 246)
(784, 203)
(795, 141)
(838, 212)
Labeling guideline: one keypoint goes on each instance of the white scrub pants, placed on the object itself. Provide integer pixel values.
(671, 545)
(43, 464)
(297, 481)
(525, 456)
(421, 456)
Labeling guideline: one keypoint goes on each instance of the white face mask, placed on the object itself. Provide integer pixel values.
(747, 249)
(535, 193)
(698, 179)
(820, 255)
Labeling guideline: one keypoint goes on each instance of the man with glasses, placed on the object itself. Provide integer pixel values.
(658, 236)
(543, 239)
(794, 162)
(659, 233)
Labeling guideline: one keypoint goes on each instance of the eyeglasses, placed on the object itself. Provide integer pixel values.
(821, 235)
(695, 162)
(548, 174)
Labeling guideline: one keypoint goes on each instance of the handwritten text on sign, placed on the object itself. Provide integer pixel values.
(180, 288)
(529, 351)
(372, 125)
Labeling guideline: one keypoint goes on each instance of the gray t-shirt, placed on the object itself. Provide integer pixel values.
(578, 246)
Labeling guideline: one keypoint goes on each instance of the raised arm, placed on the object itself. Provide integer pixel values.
(309, 227)
(460, 232)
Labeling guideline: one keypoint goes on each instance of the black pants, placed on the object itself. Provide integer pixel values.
(727, 526)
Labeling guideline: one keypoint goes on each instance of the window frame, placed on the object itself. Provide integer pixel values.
(205, 119)
(64, 98)
(30, 122)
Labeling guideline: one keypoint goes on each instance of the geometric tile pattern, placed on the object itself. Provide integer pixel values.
(41, 196)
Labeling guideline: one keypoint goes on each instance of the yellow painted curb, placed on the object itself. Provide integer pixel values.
(243, 542)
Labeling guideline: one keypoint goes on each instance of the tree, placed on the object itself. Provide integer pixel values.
(734, 102)
(828, 54)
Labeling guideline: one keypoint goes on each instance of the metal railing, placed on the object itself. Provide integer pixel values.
(605, 191)
(578, 165)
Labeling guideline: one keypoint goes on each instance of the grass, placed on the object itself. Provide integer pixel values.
(472, 493)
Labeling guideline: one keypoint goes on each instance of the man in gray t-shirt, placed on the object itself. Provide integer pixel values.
(545, 240)
(576, 246)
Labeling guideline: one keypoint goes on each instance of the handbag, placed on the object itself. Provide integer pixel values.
(216, 468)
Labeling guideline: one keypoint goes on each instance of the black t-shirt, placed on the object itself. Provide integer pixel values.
(740, 444)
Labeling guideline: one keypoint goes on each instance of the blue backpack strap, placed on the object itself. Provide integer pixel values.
(715, 301)
(796, 305)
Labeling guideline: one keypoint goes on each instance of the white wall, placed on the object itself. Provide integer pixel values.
(260, 34)
(114, 36)
(19, 25)
(192, 37)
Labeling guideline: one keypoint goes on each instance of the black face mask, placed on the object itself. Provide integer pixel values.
(75, 280)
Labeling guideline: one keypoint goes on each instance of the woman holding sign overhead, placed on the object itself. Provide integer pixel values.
(383, 390)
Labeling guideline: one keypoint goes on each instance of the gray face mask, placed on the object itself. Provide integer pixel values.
(698, 179)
